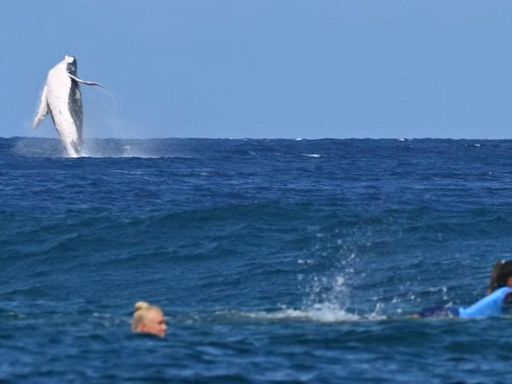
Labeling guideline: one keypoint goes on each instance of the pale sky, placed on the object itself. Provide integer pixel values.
(265, 68)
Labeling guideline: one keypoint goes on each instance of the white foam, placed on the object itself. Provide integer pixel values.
(320, 313)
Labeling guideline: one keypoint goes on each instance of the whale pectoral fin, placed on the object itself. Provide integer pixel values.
(84, 81)
(43, 109)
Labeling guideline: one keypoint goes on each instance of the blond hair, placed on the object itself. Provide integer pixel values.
(141, 309)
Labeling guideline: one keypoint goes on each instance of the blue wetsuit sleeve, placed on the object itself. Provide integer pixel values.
(492, 305)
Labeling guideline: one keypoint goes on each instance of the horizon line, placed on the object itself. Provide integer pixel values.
(265, 138)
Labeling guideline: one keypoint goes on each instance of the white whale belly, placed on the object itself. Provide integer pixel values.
(58, 97)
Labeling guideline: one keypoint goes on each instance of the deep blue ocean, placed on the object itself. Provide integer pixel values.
(275, 261)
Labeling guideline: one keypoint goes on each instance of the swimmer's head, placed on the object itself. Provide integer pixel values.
(148, 319)
(501, 275)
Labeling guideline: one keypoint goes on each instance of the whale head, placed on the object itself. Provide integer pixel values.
(71, 64)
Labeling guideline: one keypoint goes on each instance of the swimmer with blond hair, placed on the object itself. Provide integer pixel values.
(148, 319)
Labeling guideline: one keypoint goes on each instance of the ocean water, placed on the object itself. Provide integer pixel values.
(275, 261)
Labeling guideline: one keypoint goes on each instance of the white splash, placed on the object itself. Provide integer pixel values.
(314, 155)
(322, 313)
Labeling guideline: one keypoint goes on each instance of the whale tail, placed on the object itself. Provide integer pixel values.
(43, 109)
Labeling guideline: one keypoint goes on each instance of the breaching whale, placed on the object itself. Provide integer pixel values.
(61, 98)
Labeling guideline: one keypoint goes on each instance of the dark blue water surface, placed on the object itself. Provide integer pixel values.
(275, 261)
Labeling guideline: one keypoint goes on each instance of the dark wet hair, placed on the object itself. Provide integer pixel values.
(501, 272)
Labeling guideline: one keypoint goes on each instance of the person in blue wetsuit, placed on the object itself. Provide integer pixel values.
(497, 303)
